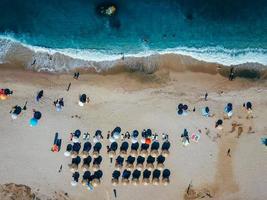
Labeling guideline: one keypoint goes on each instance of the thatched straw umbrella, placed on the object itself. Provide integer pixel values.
(146, 177)
(86, 148)
(140, 163)
(67, 153)
(165, 149)
(86, 163)
(123, 149)
(130, 161)
(155, 177)
(115, 177)
(125, 177)
(166, 177)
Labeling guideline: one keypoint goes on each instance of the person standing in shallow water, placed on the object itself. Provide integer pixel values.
(231, 75)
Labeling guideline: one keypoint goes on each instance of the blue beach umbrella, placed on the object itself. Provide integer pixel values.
(33, 122)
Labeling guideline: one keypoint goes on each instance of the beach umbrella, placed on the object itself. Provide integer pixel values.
(185, 107)
(180, 112)
(33, 122)
(148, 141)
(68, 150)
(83, 98)
(249, 105)
(37, 115)
(180, 106)
(75, 139)
(166, 176)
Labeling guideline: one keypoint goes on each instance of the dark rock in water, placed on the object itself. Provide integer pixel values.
(106, 9)
(189, 16)
(115, 23)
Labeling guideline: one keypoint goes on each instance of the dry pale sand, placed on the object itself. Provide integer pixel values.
(136, 101)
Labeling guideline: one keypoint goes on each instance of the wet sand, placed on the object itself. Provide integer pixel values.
(136, 100)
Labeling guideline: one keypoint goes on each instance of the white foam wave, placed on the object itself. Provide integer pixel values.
(41, 58)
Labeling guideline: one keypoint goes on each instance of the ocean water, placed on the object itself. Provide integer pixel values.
(223, 31)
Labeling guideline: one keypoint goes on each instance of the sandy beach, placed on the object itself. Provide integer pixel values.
(136, 100)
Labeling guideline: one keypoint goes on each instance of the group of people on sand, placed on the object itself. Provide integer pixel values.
(183, 110)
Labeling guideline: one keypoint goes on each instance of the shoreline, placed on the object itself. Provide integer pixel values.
(156, 64)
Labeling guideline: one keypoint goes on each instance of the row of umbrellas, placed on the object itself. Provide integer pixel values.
(134, 177)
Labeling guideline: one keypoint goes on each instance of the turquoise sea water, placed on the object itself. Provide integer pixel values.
(217, 29)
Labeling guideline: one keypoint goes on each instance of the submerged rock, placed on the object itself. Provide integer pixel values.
(107, 9)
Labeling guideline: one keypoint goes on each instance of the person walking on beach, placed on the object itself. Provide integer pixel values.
(115, 193)
(231, 75)
(206, 96)
(40, 94)
(76, 75)
(229, 152)
(68, 88)
(60, 169)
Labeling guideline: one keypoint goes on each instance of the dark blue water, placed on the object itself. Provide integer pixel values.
(137, 25)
